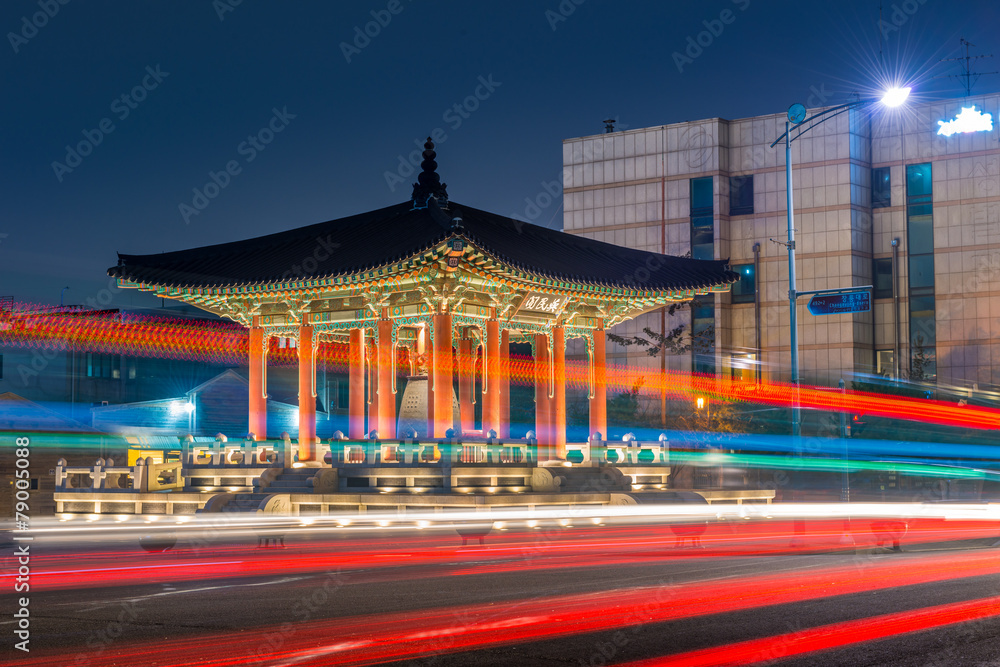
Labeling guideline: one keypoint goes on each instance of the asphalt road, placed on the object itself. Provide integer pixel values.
(520, 601)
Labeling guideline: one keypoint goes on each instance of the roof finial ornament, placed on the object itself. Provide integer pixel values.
(428, 182)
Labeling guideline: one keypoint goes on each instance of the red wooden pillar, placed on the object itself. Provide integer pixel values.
(558, 409)
(543, 418)
(429, 352)
(356, 386)
(505, 372)
(258, 382)
(599, 403)
(307, 389)
(491, 406)
(371, 346)
(466, 366)
(386, 397)
(443, 375)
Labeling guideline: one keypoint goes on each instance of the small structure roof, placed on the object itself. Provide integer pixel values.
(389, 235)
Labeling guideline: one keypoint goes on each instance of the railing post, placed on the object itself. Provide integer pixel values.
(219, 450)
(140, 476)
(98, 473)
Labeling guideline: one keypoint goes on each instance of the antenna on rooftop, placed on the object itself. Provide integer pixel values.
(609, 125)
(966, 62)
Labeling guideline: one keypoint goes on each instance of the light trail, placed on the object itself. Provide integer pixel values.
(826, 637)
(226, 343)
(574, 537)
(386, 637)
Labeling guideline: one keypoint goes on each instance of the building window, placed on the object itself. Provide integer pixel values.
(741, 195)
(701, 196)
(742, 367)
(745, 289)
(883, 362)
(703, 334)
(103, 365)
(702, 219)
(881, 189)
(920, 251)
(882, 283)
(703, 247)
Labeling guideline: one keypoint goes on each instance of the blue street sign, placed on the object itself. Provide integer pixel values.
(845, 302)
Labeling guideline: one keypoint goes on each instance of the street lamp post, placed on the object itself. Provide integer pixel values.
(793, 323)
(797, 120)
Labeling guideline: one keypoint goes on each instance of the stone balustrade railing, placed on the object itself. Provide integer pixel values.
(104, 475)
(628, 451)
(493, 451)
(246, 452)
(452, 451)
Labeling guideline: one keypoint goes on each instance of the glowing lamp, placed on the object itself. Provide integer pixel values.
(181, 408)
(895, 96)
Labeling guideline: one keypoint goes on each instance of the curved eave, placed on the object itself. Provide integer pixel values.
(401, 266)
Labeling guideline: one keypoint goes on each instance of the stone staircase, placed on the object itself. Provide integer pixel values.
(603, 479)
(291, 480)
(598, 479)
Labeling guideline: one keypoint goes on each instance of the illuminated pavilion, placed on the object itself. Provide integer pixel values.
(448, 282)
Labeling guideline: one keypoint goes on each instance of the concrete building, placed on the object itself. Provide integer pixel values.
(882, 197)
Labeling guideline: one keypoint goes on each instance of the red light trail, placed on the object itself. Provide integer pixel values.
(825, 637)
(508, 552)
(379, 638)
(226, 343)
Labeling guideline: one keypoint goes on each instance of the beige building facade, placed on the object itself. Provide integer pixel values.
(906, 200)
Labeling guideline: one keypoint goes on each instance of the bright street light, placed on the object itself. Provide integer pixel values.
(895, 96)
(800, 122)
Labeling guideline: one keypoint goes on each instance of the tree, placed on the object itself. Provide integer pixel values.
(921, 362)
(623, 409)
(677, 341)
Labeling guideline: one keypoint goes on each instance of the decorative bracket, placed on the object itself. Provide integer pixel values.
(591, 370)
(374, 298)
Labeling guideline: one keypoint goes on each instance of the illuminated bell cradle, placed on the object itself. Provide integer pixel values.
(416, 272)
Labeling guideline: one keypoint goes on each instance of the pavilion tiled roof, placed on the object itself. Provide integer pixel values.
(389, 235)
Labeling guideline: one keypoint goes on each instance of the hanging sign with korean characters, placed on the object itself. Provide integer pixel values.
(535, 303)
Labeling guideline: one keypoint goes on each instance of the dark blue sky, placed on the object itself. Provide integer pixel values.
(208, 83)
